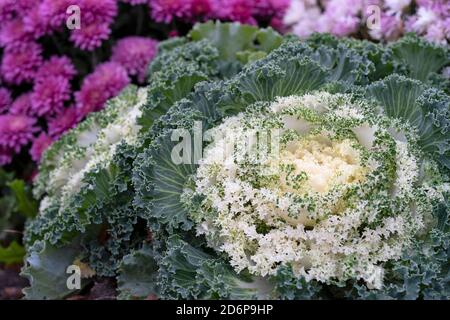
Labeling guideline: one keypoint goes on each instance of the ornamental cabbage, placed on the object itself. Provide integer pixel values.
(257, 166)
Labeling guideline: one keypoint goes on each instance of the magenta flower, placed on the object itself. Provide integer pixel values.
(40, 144)
(135, 54)
(437, 32)
(8, 10)
(91, 36)
(270, 8)
(13, 34)
(49, 96)
(16, 131)
(5, 100)
(62, 122)
(167, 10)
(236, 10)
(202, 9)
(22, 105)
(56, 66)
(20, 66)
(24, 6)
(97, 11)
(107, 80)
(345, 25)
(135, 2)
(391, 28)
(36, 23)
(6, 155)
(54, 11)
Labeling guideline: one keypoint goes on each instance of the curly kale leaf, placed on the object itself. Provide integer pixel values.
(138, 274)
(424, 108)
(46, 268)
(188, 272)
(421, 58)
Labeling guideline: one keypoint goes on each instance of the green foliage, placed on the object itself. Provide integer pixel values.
(290, 287)
(46, 268)
(233, 38)
(138, 274)
(420, 58)
(26, 205)
(423, 107)
(12, 254)
(188, 272)
(220, 70)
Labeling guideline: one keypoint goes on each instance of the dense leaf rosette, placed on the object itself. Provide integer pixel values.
(257, 166)
(339, 193)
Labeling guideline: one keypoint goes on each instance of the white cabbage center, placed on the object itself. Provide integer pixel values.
(320, 208)
(321, 164)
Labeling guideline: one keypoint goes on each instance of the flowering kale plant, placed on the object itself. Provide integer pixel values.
(53, 72)
(60, 60)
(255, 166)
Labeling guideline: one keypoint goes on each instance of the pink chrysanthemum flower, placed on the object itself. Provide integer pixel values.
(36, 23)
(40, 144)
(272, 11)
(13, 34)
(391, 28)
(49, 96)
(16, 131)
(107, 80)
(21, 65)
(97, 11)
(56, 66)
(236, 10)
(436, 33)
(8, 9)
(54, 11)
(202, 9)
(5, 100)
(24, 6)
(167, 10)
(62, 122)
(345, 25)
(91, 36)
(6, 155)
(270, 8)
(135, 54)
(22, 105)
(135, 2)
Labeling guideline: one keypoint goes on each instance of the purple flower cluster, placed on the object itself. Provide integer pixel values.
(245, 11)
(5, 99)
(134, 54)
(46, 87)
(104, 83)
(49, 105)
(430, 18)
(16, 131)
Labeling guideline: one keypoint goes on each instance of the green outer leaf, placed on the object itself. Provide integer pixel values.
(46, 268)
(422, 58)
(170, 181)
(137, 274)
(188, 272)
(231, 38)
(424, 108)
(266, 80)
(26, 205)
(12, 254)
